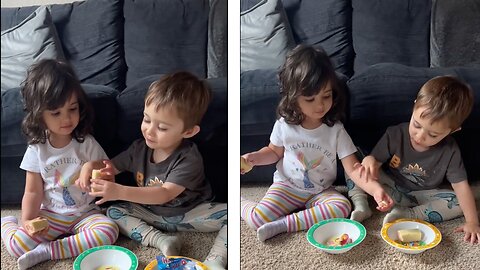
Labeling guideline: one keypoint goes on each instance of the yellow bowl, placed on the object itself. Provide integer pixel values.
(198, 265)
(431, 236)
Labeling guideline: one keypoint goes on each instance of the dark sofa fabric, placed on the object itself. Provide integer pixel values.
(92, 38)
(391, 43)
(167, 35)
(104, 38)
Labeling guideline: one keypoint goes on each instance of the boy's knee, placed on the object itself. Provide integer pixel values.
(116, 212)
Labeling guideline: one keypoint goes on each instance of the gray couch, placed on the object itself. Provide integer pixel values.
(117, 48)
(383, 50)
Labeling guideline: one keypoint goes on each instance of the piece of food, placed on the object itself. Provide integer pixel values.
(37, 224)
(339, 241)
(382, 204)
(409, 235)
(95, 175)
(244, 165)
(108, 268)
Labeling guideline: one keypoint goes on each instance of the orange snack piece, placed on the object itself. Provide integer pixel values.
(37, 225)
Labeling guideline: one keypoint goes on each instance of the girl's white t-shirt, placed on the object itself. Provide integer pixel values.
(309, 161)
(59, 168)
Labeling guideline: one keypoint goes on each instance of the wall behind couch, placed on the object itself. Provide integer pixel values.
(22, 3)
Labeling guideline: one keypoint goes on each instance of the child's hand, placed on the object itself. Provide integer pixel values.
(109, 191)
(30, 229)
(472, 232)
(108, 172)
(371, 167)
(384, 201)
(247, 162)
(83, 181)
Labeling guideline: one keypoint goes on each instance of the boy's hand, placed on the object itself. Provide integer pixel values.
(384, 201)
(371, 167)
(108, 172)
(108, 190)
(247, 162)
(472, 232)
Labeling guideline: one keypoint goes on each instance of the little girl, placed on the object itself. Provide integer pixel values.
(57, 124)
(305, 143)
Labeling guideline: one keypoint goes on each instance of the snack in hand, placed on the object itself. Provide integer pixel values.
(409, 235)
(95, 175)
(244, 165)
(382, 204)
(36, 225)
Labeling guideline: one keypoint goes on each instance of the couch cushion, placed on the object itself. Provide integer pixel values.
(217, 39)
(162, 36)
(265, 36)
(101, 97)
(325, 23)
(91, 33)
(394, 31)
(35, 38)
(455, 35)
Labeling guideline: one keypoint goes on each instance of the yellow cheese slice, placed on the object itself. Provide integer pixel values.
(409, 235)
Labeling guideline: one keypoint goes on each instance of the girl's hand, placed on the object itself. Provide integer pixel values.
(371, 167)
(83, 181)
(472, 232)
(27, 225)
(247, 162)
(109, 191)
(384, 201)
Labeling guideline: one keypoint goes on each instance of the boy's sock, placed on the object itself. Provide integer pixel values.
(396, 213)
(269, 230)
(168, 245)
(217, 257)
(35, 256)
(361, 209)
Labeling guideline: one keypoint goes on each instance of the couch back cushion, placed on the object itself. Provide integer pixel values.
(163, 36)
(91, 33)
(396, 31)
(455, 33)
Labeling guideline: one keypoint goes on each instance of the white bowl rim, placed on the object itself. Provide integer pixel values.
(360, 227)
(434, 243)
(130, 254)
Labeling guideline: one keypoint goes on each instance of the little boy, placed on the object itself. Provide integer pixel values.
(172, 193)
(416, 157)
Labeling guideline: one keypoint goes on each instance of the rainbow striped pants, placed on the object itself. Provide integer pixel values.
(90, 230)
(301, 209)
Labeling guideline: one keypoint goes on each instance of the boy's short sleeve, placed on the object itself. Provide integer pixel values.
(125, 160)
(456, 171)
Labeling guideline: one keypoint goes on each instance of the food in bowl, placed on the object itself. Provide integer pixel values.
(101, 257)
(339, 241)
(322, 232)
(175, 263)
(422, 235)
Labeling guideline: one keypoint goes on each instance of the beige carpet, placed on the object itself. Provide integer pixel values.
(292, 251)
(191, 248)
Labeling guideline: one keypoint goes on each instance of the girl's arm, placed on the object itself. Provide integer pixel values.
(467, 204)
(354, 169)
(144, 195)
(265, 156)
(32, 197)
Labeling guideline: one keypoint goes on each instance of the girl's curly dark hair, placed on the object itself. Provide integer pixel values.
(48, 85)
(306, 71)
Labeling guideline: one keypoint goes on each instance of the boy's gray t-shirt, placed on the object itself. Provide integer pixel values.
(418, 170)
(183, 167)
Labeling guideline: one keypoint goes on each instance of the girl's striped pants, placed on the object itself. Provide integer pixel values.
(81, 233)
(301, 209)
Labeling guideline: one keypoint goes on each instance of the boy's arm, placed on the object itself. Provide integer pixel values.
(145, 195)
(467, 201)
(356, 172)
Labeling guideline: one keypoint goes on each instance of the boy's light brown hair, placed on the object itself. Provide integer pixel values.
(445, 97)
(181, 91)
